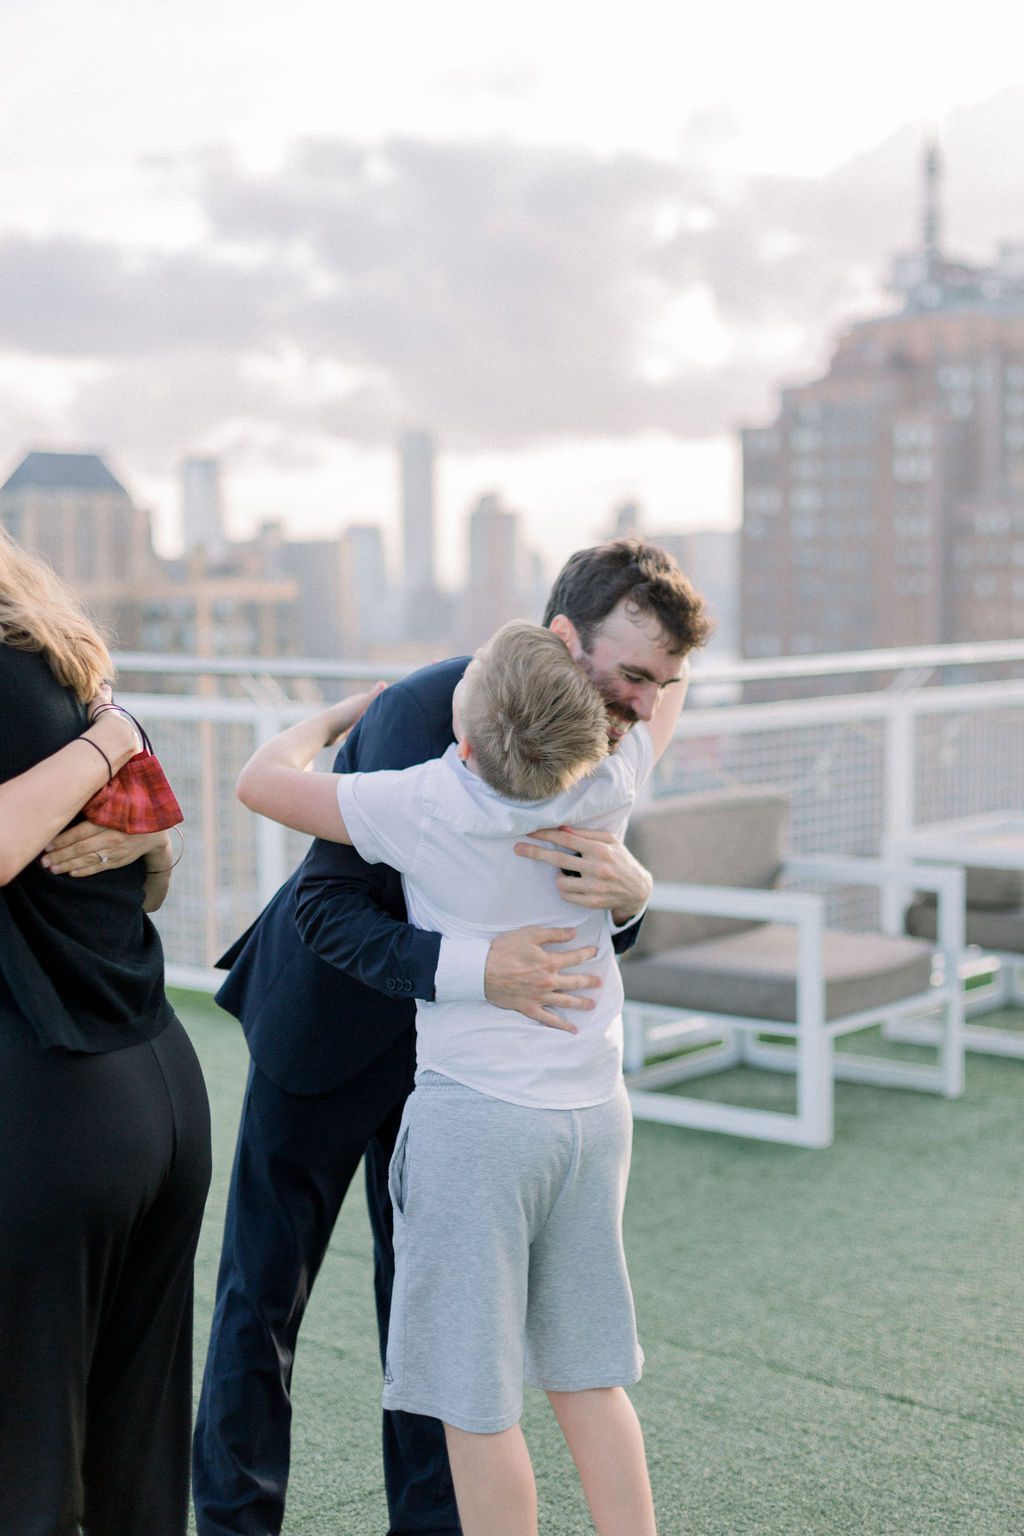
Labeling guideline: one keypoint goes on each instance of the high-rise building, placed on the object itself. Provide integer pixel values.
(885, 504)
(202, 516)
(70, 509)
(417, 456)
(709, 557)
(505, 579)
(626, 520)
(368, 616)
(416, 452)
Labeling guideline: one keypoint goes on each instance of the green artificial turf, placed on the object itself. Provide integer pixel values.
(834, 1339)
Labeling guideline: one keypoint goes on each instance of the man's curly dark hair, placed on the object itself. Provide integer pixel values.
(595, 581)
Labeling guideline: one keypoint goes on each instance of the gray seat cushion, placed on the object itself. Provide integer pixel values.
(727, 837)
(990, 928)
(994, 887)
(753, 974)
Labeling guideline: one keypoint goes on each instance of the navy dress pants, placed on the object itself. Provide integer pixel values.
(294, 1160)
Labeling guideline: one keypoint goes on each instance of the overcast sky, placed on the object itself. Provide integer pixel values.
(580, 251)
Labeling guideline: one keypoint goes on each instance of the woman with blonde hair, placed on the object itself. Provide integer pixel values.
(104, 1120)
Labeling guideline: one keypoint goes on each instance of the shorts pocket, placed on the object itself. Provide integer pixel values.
(398, 1172)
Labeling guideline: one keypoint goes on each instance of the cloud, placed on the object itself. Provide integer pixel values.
(71, 297)
(503, 294)
(504, 291)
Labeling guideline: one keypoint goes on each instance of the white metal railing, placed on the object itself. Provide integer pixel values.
(859, 768)
(710, 669)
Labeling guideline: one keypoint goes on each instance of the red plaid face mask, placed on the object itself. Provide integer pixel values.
(138, 797)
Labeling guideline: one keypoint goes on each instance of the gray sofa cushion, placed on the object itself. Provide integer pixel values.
(994, 887)
(1001, 929)
(727, 837)
(753, 974)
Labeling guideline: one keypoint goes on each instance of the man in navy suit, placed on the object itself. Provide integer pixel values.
(324, 984)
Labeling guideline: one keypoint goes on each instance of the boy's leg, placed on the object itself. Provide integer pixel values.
(493, 1482)
(603, 1434)
(581, 1336)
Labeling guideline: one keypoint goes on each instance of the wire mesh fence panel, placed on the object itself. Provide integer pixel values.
(968, 762)
(855, 768)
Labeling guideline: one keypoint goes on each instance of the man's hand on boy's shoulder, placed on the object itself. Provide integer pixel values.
(603, 873)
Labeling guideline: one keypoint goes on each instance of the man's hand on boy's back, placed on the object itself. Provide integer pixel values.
(523, 974)
(603, 873)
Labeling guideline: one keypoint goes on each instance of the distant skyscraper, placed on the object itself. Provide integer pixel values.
(885, 504)
(417, 451)
(202, 519)
(710, 557)
(627, 520)
(427, 610)
(368, 608)
(506, 579)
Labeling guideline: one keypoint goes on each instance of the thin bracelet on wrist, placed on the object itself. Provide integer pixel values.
(165, 869)
(90, 743)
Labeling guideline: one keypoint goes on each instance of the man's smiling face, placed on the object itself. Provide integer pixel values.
(628, 662)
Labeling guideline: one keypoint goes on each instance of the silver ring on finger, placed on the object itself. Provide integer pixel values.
(103, 857)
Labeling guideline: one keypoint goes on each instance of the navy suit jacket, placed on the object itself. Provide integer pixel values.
(325, 979)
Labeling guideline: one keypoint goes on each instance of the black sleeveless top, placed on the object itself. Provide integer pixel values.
(81, 965)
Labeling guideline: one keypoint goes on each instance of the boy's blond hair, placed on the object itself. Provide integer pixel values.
(534, 721)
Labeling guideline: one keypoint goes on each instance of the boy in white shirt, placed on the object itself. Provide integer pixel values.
(509, 1174)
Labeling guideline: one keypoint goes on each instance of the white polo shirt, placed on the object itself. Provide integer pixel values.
(451, 837)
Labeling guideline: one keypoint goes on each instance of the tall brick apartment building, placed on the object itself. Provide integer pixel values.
(885, 504)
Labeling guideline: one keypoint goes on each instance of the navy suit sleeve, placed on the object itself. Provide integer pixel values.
(627, 938)
(352, 914)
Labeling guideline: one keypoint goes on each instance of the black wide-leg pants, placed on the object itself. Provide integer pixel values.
(104, 1169)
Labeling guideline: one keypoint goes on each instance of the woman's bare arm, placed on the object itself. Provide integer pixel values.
(37, 804)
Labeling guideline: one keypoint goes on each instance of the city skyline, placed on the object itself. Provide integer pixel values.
(579, 258)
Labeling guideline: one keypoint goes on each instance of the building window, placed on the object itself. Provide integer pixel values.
(912, 434)
(910, 467)
(955, 378)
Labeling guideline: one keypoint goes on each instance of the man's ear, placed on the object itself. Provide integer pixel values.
(463, 749)
(566, 631)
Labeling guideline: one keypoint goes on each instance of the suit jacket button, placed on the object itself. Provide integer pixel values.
(391, 983)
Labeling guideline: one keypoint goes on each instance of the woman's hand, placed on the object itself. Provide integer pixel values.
(85, 849)
(103, 696)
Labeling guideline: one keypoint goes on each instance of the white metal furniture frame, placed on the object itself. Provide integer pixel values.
(651, 1029)
(989, 842)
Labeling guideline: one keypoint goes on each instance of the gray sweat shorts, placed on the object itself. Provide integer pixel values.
(508, 1254)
